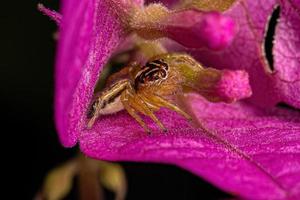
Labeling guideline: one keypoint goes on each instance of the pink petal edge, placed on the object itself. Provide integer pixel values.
(88, 36)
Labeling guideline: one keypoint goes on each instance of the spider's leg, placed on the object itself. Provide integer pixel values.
(136, 102)
(103, 98)
(145, 108)
(127, 101)
(92, 120)
(161, 102)
(142, 107)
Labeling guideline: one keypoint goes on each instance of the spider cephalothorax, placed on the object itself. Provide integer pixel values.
(152, 72)
(147, 88)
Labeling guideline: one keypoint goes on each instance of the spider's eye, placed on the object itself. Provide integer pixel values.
(163, 73)
(156, 77)
(151, 72)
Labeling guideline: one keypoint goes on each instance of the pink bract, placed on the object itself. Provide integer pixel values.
(249, 152)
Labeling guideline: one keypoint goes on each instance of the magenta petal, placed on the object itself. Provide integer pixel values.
(296, 4)
(89, 33)
(246, 51)
(287, 53)
(258, 158)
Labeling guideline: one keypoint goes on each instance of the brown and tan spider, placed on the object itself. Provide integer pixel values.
(145, 89)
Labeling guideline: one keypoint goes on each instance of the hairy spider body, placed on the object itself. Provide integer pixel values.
(145, 89)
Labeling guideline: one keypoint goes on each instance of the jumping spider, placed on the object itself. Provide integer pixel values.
(145, 89)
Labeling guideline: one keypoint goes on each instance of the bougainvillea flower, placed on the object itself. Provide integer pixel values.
(246, 150)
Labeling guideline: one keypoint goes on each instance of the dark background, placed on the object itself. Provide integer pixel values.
(30, 145)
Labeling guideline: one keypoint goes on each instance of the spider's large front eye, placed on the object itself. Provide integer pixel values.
(155, 74)
(156, 77)
(163, 73)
